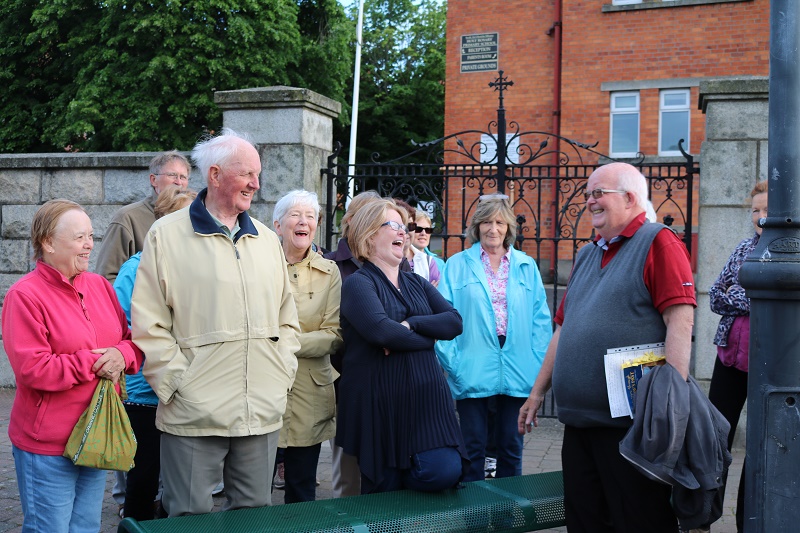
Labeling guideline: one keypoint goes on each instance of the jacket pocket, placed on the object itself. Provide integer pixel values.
(41, 411)
(324, 394)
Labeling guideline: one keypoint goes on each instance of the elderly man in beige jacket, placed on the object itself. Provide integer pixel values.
(213, 310)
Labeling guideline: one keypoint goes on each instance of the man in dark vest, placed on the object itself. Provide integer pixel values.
(633, 285)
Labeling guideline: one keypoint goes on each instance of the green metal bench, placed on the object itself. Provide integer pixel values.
(525, 503)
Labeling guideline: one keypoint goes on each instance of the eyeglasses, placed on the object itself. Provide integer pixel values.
(420, 229)
(173, 175)
(395, 226)
(598, 193)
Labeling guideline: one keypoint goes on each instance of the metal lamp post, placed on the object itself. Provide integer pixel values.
(771, 276)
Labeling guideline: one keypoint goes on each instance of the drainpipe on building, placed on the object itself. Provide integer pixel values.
(555, 32)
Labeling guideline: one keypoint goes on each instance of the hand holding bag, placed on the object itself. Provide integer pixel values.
(103, 437)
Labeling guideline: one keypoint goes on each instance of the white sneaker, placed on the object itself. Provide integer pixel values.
(489, 467)
(218, 489)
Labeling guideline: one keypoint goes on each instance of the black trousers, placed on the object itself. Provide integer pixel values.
(300, 473)
(728, 393)
(604, 493)
(143, 477)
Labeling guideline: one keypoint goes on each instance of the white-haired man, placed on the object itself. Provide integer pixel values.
(633, 285)
(213, 310)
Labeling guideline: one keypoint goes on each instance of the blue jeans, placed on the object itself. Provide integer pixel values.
(473, 415)
(57, 496)
(431, 471)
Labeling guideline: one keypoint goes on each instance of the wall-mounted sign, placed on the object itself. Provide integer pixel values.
(479, 52)
(489, 154)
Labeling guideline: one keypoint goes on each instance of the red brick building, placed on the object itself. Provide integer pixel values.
(627, 73)
(638, 61)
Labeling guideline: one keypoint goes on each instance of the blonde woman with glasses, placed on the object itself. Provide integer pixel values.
(395, 414)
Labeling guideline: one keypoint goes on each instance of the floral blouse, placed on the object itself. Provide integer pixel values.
(726, 295)
(498, 281)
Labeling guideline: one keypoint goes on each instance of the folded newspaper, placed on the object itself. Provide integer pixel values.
(624, 367)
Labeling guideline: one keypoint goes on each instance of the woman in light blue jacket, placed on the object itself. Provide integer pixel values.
(499, 293)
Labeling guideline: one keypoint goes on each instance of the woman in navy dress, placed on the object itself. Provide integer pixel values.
(396, 414)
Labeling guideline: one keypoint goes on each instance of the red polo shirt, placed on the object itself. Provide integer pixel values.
(667, 270)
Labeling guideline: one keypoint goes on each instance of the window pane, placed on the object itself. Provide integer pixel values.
(625, 102)
(625, 133)
(675, 99)
(674, 126)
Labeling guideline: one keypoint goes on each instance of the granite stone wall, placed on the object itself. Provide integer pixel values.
(733, 158)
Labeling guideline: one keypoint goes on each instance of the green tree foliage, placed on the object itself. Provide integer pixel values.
(140, 75)
(402, 77)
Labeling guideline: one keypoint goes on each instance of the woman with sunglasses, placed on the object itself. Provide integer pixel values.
(421, 263)
(499, 293)
(395, 412)
(420, 239)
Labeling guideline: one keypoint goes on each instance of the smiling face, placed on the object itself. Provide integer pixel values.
(759, 209)
(233, 183)
(492, 232)
(297, 230)
(388, 244)
(612, 212)
(71, 244)
(421, 240)
(174, 173)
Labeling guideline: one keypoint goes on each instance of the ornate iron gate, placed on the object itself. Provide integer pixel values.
(544, 176)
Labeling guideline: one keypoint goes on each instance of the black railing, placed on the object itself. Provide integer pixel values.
(544, 176)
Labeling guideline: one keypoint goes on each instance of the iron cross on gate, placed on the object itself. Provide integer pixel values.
(501, 84)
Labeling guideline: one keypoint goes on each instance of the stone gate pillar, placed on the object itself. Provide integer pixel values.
(733, 158)
(293, 131)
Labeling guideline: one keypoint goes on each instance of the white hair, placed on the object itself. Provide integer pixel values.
(631, 180)
(650, 212)
(293, 199)
(217, 150)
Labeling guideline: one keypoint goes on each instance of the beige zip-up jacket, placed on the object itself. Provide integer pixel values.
(311, 406)
(218, 324)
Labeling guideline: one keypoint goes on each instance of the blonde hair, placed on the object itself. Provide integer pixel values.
(171, 199)
(45, 221)
(489, 209)
(367, 222)
(358, 201)
(422, 215)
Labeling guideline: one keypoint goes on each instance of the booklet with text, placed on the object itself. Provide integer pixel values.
(624, 368)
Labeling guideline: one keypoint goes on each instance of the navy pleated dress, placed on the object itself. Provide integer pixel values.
(392, 406)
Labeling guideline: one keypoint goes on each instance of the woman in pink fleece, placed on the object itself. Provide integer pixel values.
(63, 329)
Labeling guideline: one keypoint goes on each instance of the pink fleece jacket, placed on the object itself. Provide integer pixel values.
(49, 330)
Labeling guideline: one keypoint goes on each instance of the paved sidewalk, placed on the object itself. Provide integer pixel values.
(542, 454)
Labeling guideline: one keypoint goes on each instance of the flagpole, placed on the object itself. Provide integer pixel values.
(354, 117)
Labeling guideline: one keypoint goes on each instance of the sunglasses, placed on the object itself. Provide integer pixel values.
(598, 193)
(420, 229)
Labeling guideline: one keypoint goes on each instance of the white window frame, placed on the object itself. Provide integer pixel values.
(624, 111)
(625, 2)
(663, 108)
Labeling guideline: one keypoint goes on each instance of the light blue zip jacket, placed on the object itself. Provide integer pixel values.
(476, 365)
(138, 389)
